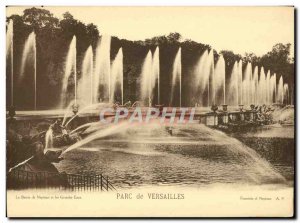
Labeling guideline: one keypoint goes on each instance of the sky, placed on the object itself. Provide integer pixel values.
(239, 29)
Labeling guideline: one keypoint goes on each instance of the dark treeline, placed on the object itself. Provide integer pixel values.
(53, 37)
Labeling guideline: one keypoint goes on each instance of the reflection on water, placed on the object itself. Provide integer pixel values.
(188, 155)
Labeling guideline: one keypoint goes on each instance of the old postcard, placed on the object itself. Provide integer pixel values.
(150, 111)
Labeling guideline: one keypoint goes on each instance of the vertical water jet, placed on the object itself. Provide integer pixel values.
(268, 87)
(146, 80)
(240, 81)
(117, 77)
(275, 87)
(29, 56)
(219, 83)
(233, 88)
(262, 86)
(85, 83)
(286, 93)
(49, 138)
(201, 78)
(255, 85)
(10, 52)
(272, 88)
(211, 82)
(156, 71)
(35, 77)
(247, 86)
(176, 75)
(280, 92)
(70, 67)
(102, 70)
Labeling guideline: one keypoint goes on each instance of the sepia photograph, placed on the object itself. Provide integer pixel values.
(150, 111)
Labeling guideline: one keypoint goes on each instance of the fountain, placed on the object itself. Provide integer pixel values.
(102, 84)
(240, 81)
(156, 70)
(9, 38)
(247, 85)
(67, 112)
(106, 80)
(233, 92)
(85, 84)
(29, 54)
(102, 80)
(146, 80)
(286, 93)
(268, 88)
(272, 88)
(262, 87)
(201, 78)
(111, 138)
(150, 77)
(202, 82)
(219, 81)
(84, 109)
(211, 81)
(280, 91)
(112, 129)
(69, 69)
(275, 87)
(233, 88)
(49, 138)
(10, 52)
(255, 85)
(117, 77)
(176, 75)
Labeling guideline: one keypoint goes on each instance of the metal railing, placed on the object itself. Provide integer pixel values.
(22, 179)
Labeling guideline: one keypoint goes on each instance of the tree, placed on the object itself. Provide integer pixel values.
(157, 40)
(281, 52)
(278, 61)
(174, 37)
(230, 57)
(251, 58)
(68, 16)
(39, 18)
(68, 23)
